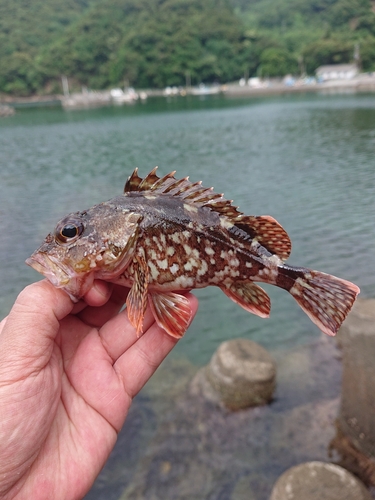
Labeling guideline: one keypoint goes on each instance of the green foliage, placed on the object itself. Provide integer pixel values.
(327, 51)
(150, 44)
(276, 62)
(26, 27)
(314, 32)
(367, 47)
(154, 43)
(366, 23)
(344, 11)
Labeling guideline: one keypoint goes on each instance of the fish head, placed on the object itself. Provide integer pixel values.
(97, 243)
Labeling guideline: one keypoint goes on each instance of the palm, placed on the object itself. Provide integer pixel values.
(73, 394)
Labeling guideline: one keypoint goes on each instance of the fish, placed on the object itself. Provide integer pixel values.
(164, 236)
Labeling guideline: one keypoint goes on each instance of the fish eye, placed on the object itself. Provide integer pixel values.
(68, 231)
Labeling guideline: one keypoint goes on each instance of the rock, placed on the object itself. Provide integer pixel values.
(307, 429)
(6, 110)
(240, 374)
(357, 337)
(318, 481)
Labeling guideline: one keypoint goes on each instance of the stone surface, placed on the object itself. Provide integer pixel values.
(318, 481)
(6, 110)
(357, 338)
(183, 447)
(242, 374)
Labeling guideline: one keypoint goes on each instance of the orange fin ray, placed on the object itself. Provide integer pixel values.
(326, 299)
(172, 312)
(250, 297)
(136, 302)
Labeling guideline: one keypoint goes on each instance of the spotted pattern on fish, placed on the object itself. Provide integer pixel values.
(166, 235)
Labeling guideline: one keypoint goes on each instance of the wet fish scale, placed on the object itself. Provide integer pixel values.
(163, 236)
(196, 257)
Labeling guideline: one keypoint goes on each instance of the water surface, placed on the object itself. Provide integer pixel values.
(306, 160)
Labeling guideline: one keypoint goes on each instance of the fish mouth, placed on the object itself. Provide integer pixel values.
(75, 285)
(42, 263)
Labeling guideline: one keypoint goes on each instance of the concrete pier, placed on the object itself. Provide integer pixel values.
(357, 414)
(356, 421)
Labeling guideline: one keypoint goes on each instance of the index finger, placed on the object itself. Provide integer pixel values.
(26, 340)
(143, 357)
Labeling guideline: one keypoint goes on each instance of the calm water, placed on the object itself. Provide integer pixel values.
(307, 161)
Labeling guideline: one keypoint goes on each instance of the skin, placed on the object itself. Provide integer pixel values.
(68, 374)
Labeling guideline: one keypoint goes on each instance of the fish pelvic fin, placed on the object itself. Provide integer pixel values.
(172, 312)
(250, 297)
(326, 299)
(136, 302)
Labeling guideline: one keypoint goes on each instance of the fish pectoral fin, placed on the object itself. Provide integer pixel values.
(249, 296)
(172, 312)
(136, 302)
(268, 232)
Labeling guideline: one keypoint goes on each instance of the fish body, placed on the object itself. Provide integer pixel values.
(164, 236)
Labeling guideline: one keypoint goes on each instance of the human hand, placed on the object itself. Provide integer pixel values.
(68, 373)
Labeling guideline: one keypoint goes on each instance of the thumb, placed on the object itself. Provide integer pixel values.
(28, 333)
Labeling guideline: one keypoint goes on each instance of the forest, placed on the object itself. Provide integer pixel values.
(154, 43)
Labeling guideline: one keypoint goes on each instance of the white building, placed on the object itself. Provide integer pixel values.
(336, 72)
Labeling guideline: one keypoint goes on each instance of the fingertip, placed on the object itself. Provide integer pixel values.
(34, 318)
(43, 296)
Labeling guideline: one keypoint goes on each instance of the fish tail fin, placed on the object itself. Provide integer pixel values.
(326, 299)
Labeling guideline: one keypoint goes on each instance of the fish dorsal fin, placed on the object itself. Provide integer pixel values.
(262, 229)
(193, 193)
(267, 232)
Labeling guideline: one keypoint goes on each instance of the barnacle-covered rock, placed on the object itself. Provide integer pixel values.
(240, 374)
(318, 481)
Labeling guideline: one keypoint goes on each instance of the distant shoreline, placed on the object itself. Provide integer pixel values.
(361, 84)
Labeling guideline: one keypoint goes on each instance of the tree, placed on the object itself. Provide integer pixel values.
(277, 62)
(327, 51)
(367, 53)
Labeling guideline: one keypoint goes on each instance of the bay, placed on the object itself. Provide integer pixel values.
(306, 160)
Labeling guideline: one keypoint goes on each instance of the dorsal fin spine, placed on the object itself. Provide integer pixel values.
(264, 229)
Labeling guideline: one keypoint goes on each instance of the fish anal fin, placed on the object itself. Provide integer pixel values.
(268, 232)
(250, 297)
(326, 299)
(136, 302)
(172, 312)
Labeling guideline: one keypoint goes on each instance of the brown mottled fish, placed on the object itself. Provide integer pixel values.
(163, 236)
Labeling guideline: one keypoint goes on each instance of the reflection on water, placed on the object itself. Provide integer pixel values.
(308, 161)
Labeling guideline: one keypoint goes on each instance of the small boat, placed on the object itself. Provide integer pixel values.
(128, 96)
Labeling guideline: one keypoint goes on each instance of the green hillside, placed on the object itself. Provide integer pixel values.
(313, 32)
(25, 28)
(154, 43)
